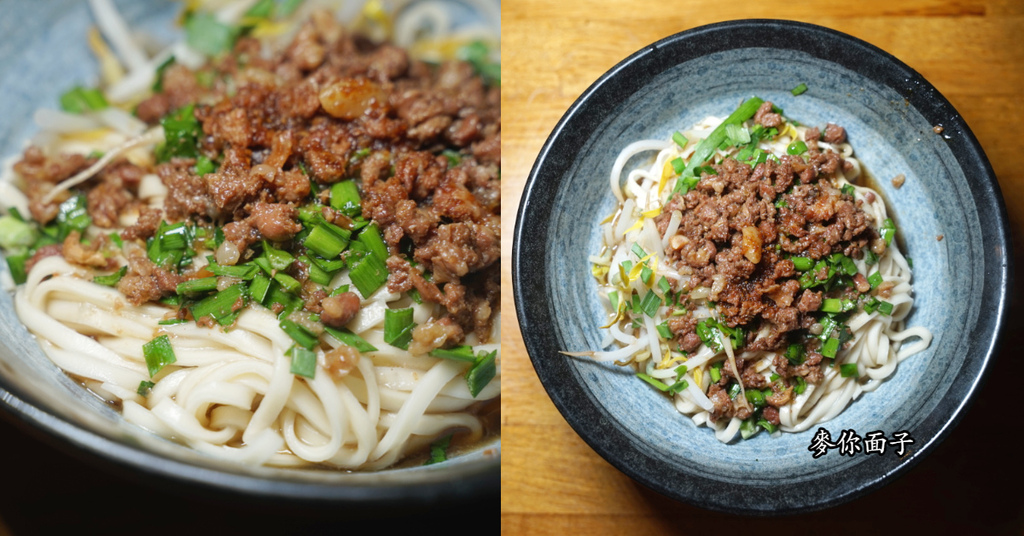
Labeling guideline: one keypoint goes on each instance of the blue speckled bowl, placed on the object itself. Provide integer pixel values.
(42, 54)
(961, 282)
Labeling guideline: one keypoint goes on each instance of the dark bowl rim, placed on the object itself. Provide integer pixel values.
(918, 93)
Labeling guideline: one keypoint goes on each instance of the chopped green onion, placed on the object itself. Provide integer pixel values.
(830, 347)
(799, 90)
(836, 305)
(327, 240)
(848, 189)
(15, 234)
(242, 271)
(795, 353)
(303, 361)
(112, 279)
(638, 251)
(737, 134)
(885, 307)
(263, 9)
(204, 165)
(798, 147)
(370, 236)
(888, 230)
(171, 322)
(680, 140)
(716, 372)
(664, 285)
(204, 33)
(482, 372)
(80, 100)
(663, 330)
(870, 258)
(220, 305)
(145, 386)
(158, 354)
(438, 450)
(299, 334)
(678, 165)
(345, 197)
(677, 387)
(755, 397)
(646, 275)
(398, 326)
(259, 287)
(655, 382)
(875, 279)
(478, 54)
(801, 385)
(685, 184)
(458, 353)
(158, 85)
(181, 130)
(351, 339)
(708, 335)
(650, 304)
(707, 146)
(802, 263)
(848, 371)
(369, 274)
(748, 429)
(197, 286)
(763, 423)
(734, 389)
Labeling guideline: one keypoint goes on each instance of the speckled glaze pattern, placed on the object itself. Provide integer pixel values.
(42, 54)
(889, 111)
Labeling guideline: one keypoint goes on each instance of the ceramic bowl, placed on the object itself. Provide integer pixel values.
(43, 53)
(949, 211)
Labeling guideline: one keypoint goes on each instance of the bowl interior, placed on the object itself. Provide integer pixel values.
(709, 71)
(42, 55)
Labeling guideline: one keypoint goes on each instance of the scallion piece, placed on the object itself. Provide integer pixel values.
(870, 258)
(802, 263)
(345, 198)
(680, 140)
(663, 330)
(288, 282)
(351, 339)
(303, 361)
(848, 370)
(327, 240)
(799, 90)
(763, 423)
(458, 353)
(370, 237)
(204, 165)
(888, 230)
(801, 385)
(795, 353)
(885, 307)
(259, 287)
(222, 304)
(181, 130)
(299, 334)
(242, 271)
(737, 134)
(145, 386)
(206, 34)
(664, 285)
(830, 347)
(638, 251)
(369, 274)
(755, 397)
(171, 322)
(197, 286)
(80, 100)
(650, 304)
(398, 326)
(748, 428)
(316, 274)
(653, 381)
(798, 147)
(482, 372)
(716, 372)
(875, 279)
(678, 165)
(708, 145)
(158, 354)
(112, 279)
(438, 450)
(848, 189)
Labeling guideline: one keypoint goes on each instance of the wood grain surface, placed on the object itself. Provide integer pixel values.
(972, 51)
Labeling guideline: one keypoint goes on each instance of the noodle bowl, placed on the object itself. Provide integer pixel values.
(233, 390)
(665, 297)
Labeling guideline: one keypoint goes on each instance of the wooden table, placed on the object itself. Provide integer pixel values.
(972, 51)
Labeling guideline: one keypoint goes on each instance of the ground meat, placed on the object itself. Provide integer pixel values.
(765, 117)
(422, 142)
(341, 360)
(339, 310)
(834, 134)
(434, 334)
